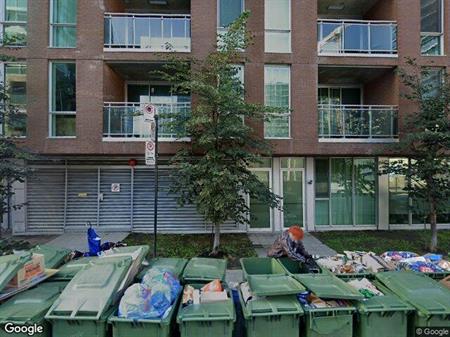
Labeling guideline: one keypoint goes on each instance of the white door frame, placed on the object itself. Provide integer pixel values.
(282, 170)
(270, 228)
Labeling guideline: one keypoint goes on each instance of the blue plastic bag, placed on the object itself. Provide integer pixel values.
(94, 242)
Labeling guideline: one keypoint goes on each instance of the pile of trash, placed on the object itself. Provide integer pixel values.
(365, 287)
(310, 300)
(152, 298)
(353, 262)
(210, 292)
(428, 263)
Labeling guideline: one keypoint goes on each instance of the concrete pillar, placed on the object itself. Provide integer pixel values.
(310, 195)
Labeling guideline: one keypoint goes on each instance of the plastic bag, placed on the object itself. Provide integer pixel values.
(94, 242)
(215, 285)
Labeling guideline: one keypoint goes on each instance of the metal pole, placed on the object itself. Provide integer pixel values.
(155, 211)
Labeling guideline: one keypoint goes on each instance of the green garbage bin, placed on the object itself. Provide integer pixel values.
(385, 315)
(173, 265)
(261, 266)
(430, 299)
(9, 266)
(71, 268)
(200, 269)
(294, 267)
(53, 256)
(88, 300)
(29, 308)
(328, 321)
(272, 316)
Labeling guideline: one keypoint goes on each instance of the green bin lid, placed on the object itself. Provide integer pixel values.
(205, 269)
(269, 306)
(134, 251)
(70, 269)
(386, 303)
(204, 312)
(427, 295)
(9, 266)
(329, 286)
(53, 256)
(173, 265)
(92, 290)
(274, 285)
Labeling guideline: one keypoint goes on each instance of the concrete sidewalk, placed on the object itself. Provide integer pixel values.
(78, 241)
(263, 241)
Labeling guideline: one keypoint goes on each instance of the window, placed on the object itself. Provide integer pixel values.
(432, 32)
(13, 15)
(14, 79)
(229, 10)
(63, 23)
(292, 170)
(62, 99)
(277, 94)
(432, 79)
(277, 22)
(345, 191)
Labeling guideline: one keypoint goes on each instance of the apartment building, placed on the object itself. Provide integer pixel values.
(83, 68)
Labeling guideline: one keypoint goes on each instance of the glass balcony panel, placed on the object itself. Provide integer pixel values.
(331, 37)
(382, 38)
(356, 38)
(382, 123)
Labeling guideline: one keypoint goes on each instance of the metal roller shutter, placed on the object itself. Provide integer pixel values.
(82, 197)
(115, 207)
(45, 200)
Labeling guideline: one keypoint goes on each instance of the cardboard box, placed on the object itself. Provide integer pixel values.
(32, 269)
(213, 296)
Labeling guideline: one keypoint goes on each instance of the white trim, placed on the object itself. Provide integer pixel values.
(359, 140)
(136, 140)
(394, 56)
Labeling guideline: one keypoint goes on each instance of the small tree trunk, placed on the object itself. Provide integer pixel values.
(216, 243)
(433, 225)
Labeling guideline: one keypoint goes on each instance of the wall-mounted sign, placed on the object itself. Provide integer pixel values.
(82, 195)
(115, 188)
(150, 153)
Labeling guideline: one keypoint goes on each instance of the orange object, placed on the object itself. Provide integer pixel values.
(297, 232)
(213, 286)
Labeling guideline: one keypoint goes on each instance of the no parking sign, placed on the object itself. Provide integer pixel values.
(150, 153)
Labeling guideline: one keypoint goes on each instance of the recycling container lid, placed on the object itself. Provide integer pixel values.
(71, 268)
(53, 256)
(329, 286)
(273, 305)
(9, 266)
(274, 285)
(427, 295)
(173, 265)
(205, 269)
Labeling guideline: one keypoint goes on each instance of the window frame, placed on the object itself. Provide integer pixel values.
(53, 114)
(289, 113)
(271, 30)
(4, 23)
(53, 25)
(219, 27)
(440, 35)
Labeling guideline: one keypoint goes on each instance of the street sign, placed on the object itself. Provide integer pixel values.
(115, 188)
(150, 153)
(149, 111)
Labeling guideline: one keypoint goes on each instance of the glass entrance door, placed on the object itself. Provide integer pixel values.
(260, 212)
(293, 197)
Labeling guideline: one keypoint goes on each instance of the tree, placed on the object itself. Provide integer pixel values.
(212, 171)
(12, 155)
(426, 142)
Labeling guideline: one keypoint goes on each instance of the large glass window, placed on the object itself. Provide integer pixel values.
(260, 211)
(63, 23)
(432, 79)
(345, 191)
(292, 185)
(229, 10)
(13, 16)
(431, 25)
(15, 85)
(277, 94)
(62, 99)
(277, 22)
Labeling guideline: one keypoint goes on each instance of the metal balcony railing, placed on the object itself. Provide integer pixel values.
(126, 120)
(358, 121)
(148, 32)
(356, 37)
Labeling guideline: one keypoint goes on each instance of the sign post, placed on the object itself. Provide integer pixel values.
(151, 159)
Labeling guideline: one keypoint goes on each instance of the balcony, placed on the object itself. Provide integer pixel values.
(147, 32)
(125, 121)
(357, 37)
(358, 123)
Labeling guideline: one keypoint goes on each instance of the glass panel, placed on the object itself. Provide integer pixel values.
(292, 198)
(259, 211)
(63, 125)
(178, 28)
(431, 16)
(64, 37)
(277, 127)
(277, 42)
(16, 83)
(142, 30)
(155, 27)
(229, 10)
(365, 191)
(107, 33)
(432, 81)
(341, 191)
(356, 37)
(382, 123)
(398, 198)
(14, 35)
(63, 87)
(331, 39)
(322, 178)
(381, 38)
(121, 31)
(264, 162)
(292, 162)
(351, 96)
(430, 45)
(277, 13)
(64, 11)
(16, 10)
(135, 91)
(322, 213)
(16, 126)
